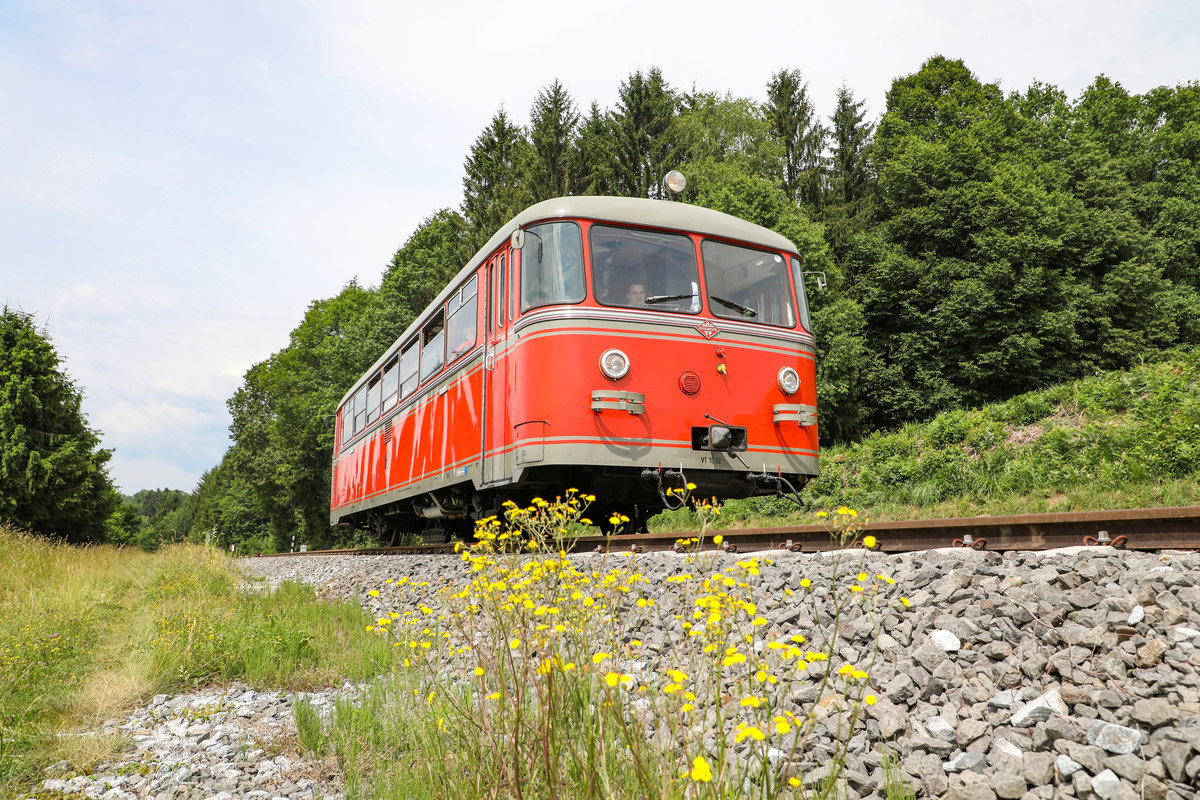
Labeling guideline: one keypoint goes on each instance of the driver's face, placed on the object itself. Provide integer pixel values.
(636, 295)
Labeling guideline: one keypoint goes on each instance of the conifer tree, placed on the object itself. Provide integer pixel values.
(554, 121)
(849, 171)
(645, 109)
(793, 119)
(596, 156)
(494, 187)
(53, 477)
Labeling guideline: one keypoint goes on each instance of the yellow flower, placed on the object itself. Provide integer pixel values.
(907, 603)
(718, 539)
(869, 542)
(805, 583)
(600, 657)
(793, 782)
(870, 699)
(374, 593)
(749, 732)
(750, 702)
(478, 671)
(701, 771)
(822, 513)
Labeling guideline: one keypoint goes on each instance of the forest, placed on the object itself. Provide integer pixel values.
(977, 244)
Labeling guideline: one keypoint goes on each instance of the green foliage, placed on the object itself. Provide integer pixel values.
(646, 107)
(53, 472)
(793, 119)
(975, 246)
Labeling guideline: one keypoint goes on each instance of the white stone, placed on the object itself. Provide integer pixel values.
(1039, 709)
(1066, 766)
(939, 729)
(1182, 634)
(945, 640)
(1136, 615)
(1106, 784)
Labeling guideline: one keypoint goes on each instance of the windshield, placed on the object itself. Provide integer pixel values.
(644, 269)
(551, 265)
(748, 285)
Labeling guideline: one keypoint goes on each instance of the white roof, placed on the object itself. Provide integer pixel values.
(671, 215)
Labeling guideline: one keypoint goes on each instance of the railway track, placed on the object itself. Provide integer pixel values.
(1136, 529)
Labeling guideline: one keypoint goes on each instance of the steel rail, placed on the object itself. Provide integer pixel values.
(1176, 528)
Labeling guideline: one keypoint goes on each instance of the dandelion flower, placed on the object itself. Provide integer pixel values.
(869, 542)
(870, 699)
(701, 770)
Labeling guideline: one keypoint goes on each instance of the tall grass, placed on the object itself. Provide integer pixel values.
(533, 680)
(85, 632)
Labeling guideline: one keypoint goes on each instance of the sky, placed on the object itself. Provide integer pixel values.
(179, 180)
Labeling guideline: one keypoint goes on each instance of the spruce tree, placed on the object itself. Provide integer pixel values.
(552, 129)
(644, 150)
(794, 121)
(53, 477)
(494, 187)
(850, 175)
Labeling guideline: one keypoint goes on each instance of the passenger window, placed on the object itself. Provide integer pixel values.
(503, 300)
(373, 398)
(408, 367)
(348, 421)
(551, 265)
(462, 322)
(391, 375)
(433, 345)
(360, 409)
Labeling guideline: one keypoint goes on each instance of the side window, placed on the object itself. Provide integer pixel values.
(373, 398)
(408, 367)
(348, 421)
(391, 375)
(433, 340)
(462, 321)
(360, 409)
(801, 297)
(502, 300)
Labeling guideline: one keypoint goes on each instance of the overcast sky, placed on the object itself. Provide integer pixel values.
(178, 180)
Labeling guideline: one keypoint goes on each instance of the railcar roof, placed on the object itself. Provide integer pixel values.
(625, 210)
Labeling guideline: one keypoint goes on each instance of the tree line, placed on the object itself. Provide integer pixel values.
(975, 244)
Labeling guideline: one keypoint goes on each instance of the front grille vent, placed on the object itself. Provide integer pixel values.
(689, 382)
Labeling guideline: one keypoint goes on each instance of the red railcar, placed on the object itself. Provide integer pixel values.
(620, 346)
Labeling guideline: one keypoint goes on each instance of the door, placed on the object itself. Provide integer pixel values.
(497, 453)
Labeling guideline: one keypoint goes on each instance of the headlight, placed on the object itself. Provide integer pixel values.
(788, 380)
(614, 364)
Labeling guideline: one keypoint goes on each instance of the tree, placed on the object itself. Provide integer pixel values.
(552, 129)
(792, 118)
(646, 106)
(53, 472)
(494, 187)
(595, 166)
(849, 169)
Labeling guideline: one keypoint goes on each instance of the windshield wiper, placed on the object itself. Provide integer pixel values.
(666, 298)
(746, 310)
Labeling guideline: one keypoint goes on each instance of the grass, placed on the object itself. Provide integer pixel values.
(532, 680)
(88, 632)
(1126, 439)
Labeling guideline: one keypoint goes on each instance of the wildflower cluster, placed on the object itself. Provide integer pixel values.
(551, 654)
